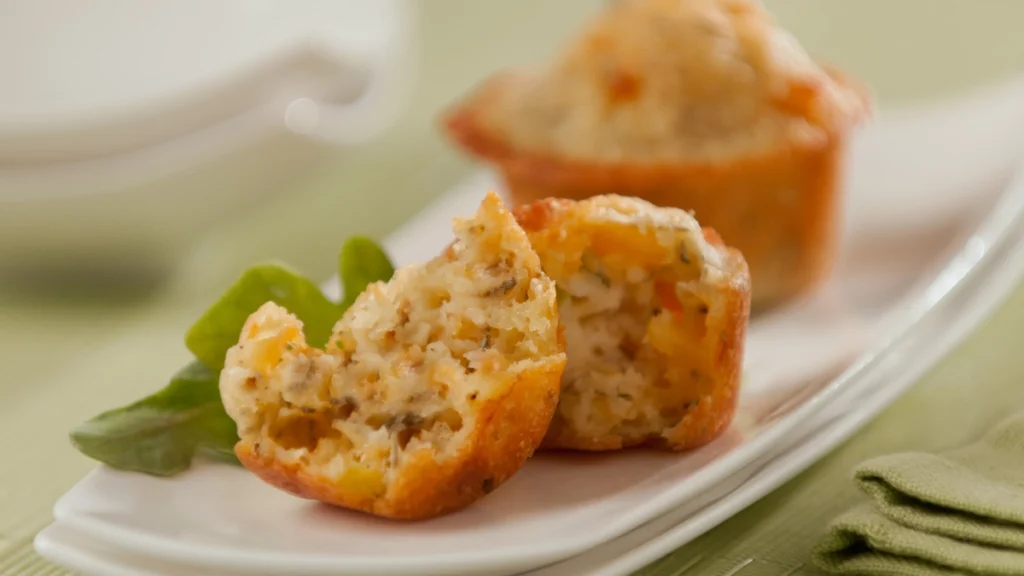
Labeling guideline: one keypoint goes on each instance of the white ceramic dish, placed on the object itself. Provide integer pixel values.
(892, 372)
(89, 557)
(74, 550)
(78, 551)
(120, 144)
(554, 508)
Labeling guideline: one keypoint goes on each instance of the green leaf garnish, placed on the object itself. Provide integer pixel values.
(161, 434)
(219, 327)
(361, 263)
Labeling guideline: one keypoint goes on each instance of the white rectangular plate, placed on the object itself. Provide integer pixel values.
(220, 517)
(893, 371)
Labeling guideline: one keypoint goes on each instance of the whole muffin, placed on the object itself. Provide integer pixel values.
(655, 311)
(704, 105)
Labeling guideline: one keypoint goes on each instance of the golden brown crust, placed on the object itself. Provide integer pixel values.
(511, 426)
(675, 82)
(554, 227)
(711, 418)
(463, 124)
(434, 389)
(778, 208)
(704, 105)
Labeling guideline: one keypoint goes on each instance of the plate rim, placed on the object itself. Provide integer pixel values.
(765, 476)
(992, 232)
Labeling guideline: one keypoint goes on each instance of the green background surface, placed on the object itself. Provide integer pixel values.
(69, 354)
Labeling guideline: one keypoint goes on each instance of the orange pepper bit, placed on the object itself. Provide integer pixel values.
(691, 314)
(666, 292)
(713, 237)
(622, 87)
(801, 99)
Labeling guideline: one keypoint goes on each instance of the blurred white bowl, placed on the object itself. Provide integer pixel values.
(120, 142)
(128, 129)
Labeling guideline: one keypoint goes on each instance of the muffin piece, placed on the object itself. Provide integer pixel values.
(434, 390)
(655, 313)
(700, 104)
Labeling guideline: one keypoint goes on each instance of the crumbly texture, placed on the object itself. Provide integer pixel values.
(432, 392)
(693, 81)
(655, 312)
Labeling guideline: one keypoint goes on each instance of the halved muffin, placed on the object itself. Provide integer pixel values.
(704, 105)
(434, 390)
(655, 312)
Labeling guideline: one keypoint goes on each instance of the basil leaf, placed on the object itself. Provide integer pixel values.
(161, 434)
(362, 262)
(218, 328)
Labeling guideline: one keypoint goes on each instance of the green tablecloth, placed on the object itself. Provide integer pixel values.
(68, 356)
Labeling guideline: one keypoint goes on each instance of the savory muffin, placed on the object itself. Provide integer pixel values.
(655, 313)
(433, 391)
(704, 105)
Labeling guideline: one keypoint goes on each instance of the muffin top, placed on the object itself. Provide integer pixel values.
(670, 80)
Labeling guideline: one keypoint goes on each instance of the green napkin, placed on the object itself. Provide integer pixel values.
(961, 512)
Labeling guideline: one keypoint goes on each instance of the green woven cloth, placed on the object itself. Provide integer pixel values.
(961, 512)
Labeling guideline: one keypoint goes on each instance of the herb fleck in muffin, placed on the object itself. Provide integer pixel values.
(435, 389)
(655, 312)
(704, 105)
